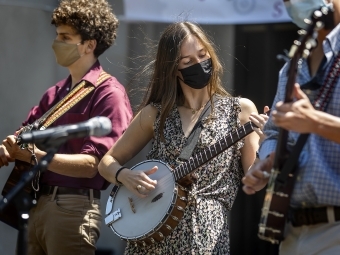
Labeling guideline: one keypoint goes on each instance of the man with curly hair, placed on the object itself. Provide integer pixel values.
(67, 217)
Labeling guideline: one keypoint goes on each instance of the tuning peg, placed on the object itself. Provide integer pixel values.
(311, 43)
(305, 53)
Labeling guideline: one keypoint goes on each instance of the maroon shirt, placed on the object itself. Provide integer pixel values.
(108, 99)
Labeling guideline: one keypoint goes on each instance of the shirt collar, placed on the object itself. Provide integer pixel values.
(331, 45)
(91, 76)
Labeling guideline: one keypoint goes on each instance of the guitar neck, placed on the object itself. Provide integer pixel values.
(281, 152)
(213, 150)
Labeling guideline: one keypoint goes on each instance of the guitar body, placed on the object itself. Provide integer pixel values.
(10, 214)
(19, 168)
(147, 220)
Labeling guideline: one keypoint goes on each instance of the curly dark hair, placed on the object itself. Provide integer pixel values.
(92, 19)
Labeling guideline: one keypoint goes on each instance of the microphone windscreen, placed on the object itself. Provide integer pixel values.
(102, 126)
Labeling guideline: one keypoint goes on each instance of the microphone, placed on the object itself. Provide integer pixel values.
(97, 126)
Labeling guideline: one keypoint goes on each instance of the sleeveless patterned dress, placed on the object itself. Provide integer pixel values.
(204, 228)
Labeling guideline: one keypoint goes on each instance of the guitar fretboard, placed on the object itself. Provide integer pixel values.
(213, 150)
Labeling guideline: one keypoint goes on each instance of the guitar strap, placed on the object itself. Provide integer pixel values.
(195, 132)
(321, 103)
(82, 89)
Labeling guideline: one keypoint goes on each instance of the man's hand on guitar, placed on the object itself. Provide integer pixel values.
(138, 182)
(5, 158)
(258, 175)
(14, 151)
(296, 116)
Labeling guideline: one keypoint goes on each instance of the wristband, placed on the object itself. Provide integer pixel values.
(118, 171)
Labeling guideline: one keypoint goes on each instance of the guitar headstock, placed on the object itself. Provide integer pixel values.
(307, 41)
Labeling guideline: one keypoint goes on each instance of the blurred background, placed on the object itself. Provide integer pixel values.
(252, 37)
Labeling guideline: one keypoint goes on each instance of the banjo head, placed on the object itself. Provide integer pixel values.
(134, 218)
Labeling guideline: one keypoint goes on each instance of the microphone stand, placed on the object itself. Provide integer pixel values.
(22, 200)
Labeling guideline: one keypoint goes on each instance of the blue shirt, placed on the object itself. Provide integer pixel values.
(318, 175)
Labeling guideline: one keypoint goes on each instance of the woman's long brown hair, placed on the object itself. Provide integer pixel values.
(163, 87)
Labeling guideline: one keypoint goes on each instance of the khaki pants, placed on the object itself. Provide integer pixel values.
(320, 239)
(64, 225)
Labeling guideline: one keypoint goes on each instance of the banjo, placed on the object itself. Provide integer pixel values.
(146, 221)
(280, 185)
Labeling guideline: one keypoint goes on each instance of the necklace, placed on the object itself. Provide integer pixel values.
(194, 110)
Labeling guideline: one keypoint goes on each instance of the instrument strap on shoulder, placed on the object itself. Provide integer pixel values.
(195, 132)
(81, 90)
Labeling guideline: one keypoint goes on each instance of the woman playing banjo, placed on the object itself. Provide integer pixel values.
(186, 76)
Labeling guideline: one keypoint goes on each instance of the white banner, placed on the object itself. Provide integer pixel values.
(206, 11)
(45, 5)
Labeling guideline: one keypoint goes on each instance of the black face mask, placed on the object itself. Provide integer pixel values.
(198, 75)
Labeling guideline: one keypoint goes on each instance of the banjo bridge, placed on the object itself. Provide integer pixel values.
(132, 205)
(112, 217)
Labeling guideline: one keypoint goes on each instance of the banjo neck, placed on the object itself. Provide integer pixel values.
(212, 151)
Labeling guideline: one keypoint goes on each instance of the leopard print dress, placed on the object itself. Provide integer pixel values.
(204, 228)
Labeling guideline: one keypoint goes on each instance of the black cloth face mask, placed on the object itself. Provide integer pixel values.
(198, 75)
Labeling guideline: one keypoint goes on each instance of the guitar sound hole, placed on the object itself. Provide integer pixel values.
(159, 196)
